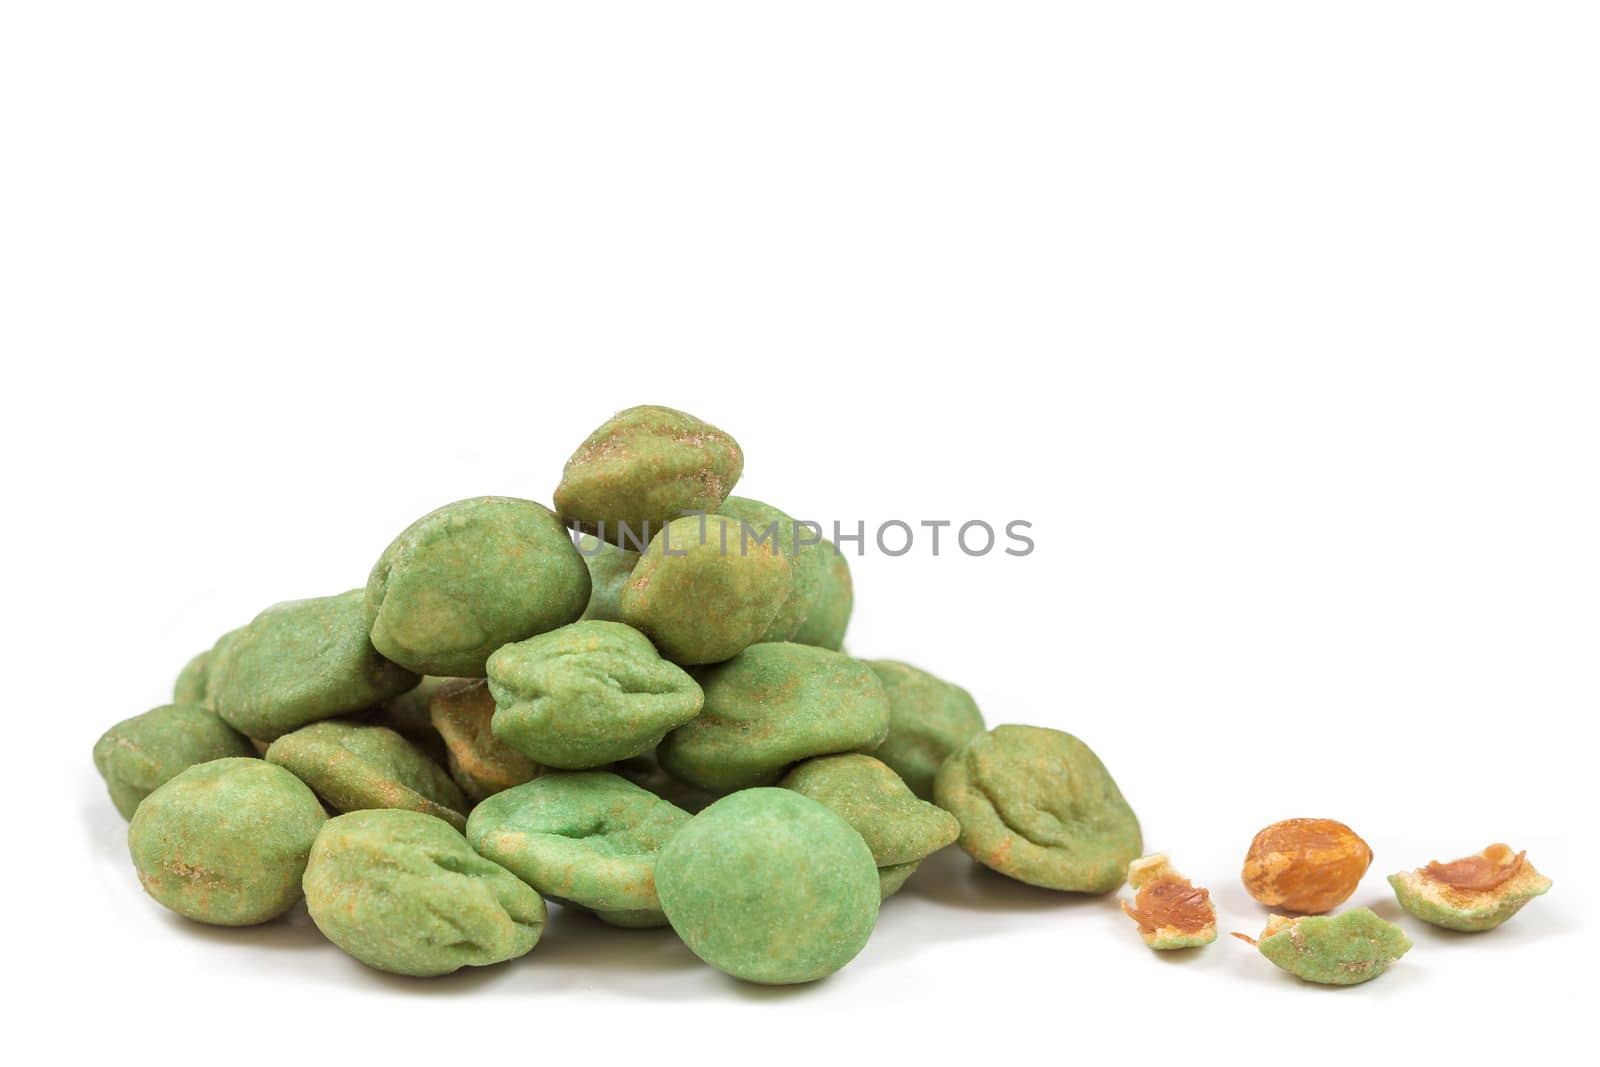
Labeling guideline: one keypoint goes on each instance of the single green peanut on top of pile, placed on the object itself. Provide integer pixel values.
(587, 695)
(403, 892)
(588, 837)
(643, 468)
(474, 575)
(297, 663)
(770, 706)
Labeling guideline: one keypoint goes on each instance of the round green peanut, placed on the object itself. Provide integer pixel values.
(1037, 805)
(226, 842)
(643, 468)
(700, 595)
(808, 566)
(463, 580)
(929, 719)
(587, 695)
(588, 837)
(139, 754)
(404, 893)
(297, 663)
(770, 886)
(354, 767)
(770, 706)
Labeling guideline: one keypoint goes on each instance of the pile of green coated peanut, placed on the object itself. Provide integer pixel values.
(637, 704)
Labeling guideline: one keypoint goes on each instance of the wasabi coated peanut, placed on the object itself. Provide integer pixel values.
(588, 837)
(699, 595)
(354, 767)
(1038, 806)
(190, 688)
(481, 763)
(770, 886)
(139, 754)
(900, 830)
(404, 893)
(831, 604)
(609, 567)
(1471, 894)
(226, 842)
(300, 662)
(770, 706)
(809, 569)
(1345, 949)
(929, 719)
(587, 695)
(643, 468)
(463, 580)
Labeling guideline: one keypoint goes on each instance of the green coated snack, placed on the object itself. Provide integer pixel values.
(809, 569)
(1037, 805)
(646, 772)
(474, 575)
(190, 688)
(900, 830)
(825, 625)
(139, 754)
(609, 567)
(643, 468)
(481, 763)
(226, 842)
(355, 767)
(770, 706)
(929, 719)
(587, 837)
(698, 596)
(300, 662)
(1345, 949)
(770, 886)
(404, 893)
(1471, 894)
(587, 695)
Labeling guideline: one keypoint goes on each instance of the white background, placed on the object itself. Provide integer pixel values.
(1278, 322)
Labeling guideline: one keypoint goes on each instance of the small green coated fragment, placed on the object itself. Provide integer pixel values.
(770, 706)
(900, 830)
(404, 893)
(588, 837)
(1472, 894)
(139, 754)
(700, 595)
(587, 695)
(770, 886)
(929, 718)
(643, 468)
(226, 842)
(1352, 947)
(300, 662)
(354, 767)
(469, 577)
(1037, 805)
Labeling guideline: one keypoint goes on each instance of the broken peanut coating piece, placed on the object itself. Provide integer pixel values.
(1346, 949)
(1471, 894)
(1171, 912)
(1305, 865)
(1037, 805)
(643, 468)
